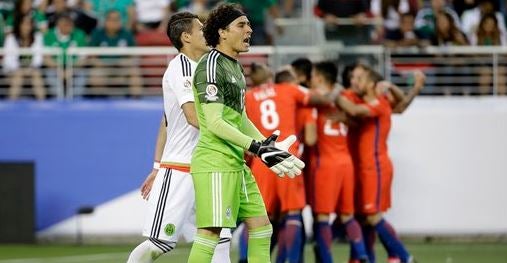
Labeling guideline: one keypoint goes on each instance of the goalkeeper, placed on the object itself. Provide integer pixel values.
(224, 186)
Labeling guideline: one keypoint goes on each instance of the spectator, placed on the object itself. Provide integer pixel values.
(63, 36)
(472, 17)
(405, 35)
(447, 32)
(18, 67)
(426, 17)
(488, 34)
(461, 6)
(82, 20)
(23, 8)
(152, 15)
(257, 11)
(105, 71)
(100, 8)
(391, 11)
(198, 7)
(334, 11)
(2, 25)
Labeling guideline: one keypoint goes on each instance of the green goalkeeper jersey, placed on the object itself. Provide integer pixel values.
(225, 131)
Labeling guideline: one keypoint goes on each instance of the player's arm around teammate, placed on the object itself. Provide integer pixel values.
(402, 100)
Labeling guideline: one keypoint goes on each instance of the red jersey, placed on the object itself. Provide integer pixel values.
(273, 107)
(332, 137)
(373, 135)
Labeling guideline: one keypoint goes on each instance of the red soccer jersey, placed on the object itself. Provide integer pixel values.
(273, 107)
(373, 135)
(332, 137)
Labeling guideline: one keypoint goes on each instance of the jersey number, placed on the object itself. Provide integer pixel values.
(269, 117)
(330, 131)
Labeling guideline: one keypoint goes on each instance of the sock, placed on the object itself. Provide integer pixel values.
(203, 248)
(293, 236)
(369, 241)
(323, 238)
(243, 245)
(339, 232)
(222, 251)
(259, 240)
(303, 242)
(277, 227)
(149, 250)
(356, 241)
(391, 242)
(281, 241)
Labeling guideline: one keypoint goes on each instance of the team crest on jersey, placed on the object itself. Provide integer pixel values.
(211, 92)
(170, 229)
(187, 84)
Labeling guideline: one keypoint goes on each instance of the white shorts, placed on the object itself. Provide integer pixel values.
(171, 208)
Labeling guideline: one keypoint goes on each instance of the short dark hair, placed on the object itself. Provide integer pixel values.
(328, 70)
(347, 75)
(284, 75)
(179, 23)
(216, 20)
(303, 66)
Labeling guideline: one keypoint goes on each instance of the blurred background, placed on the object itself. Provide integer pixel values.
(80, 104)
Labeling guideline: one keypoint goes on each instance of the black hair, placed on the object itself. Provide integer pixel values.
(328, 70)
(216, 20)
(17, 28)
(179, 23)
(347, 75)
(303, 66)
(65, 16)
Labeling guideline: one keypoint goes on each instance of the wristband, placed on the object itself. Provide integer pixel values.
(254, 147)
(156, 165)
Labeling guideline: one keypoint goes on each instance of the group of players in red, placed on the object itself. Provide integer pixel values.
(343, 136)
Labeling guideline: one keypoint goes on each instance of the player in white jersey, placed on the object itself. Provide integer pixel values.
(169, 188)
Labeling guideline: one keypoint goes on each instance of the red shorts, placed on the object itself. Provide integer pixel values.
(375, 188)
(279, 194)
(334, 187)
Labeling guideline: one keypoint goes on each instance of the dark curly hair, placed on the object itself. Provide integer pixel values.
(179, 23)
(216, 20)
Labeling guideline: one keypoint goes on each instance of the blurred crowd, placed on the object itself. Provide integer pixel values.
(120, 23)
(402, 23)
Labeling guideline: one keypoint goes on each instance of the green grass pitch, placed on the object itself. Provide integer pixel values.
(425, 253)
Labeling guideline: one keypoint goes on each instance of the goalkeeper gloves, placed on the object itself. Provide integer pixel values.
(276, 156)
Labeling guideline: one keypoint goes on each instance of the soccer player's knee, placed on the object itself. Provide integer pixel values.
(373, 219)
(323, 217)
(158, 247)
(346, 217)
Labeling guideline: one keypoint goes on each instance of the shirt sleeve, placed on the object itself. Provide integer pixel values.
(207, 85)
(248, 128)
(220, 128)
(180, 81)
(376, 107)
(302, 95)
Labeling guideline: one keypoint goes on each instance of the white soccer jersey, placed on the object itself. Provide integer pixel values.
(181, 136)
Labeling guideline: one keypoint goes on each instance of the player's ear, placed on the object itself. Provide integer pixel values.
(222, 33)
(185, 37)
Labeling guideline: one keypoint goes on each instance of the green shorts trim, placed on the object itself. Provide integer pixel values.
(221, 198)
